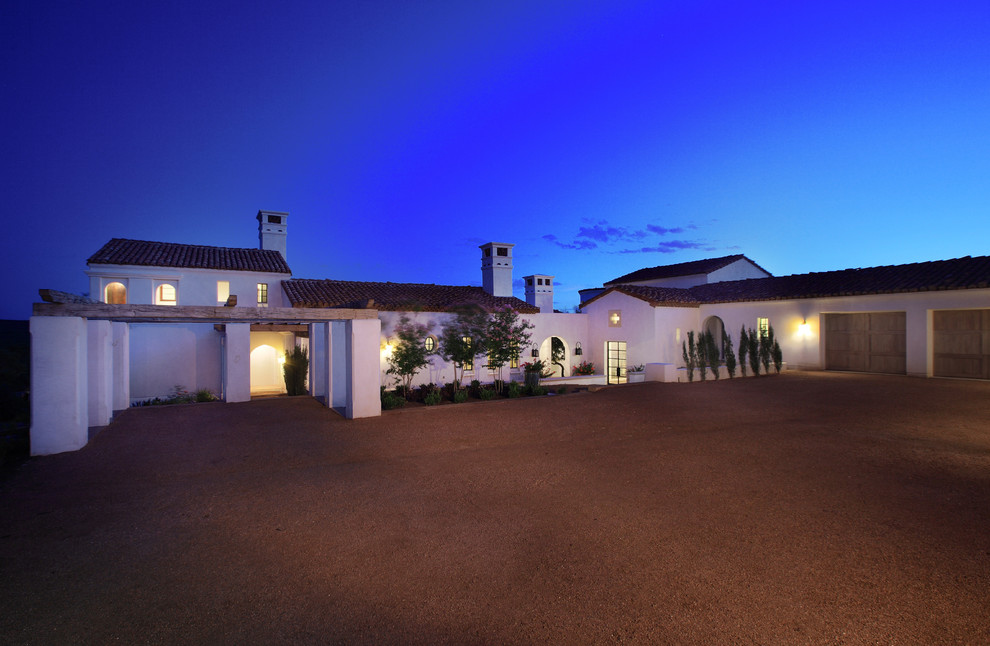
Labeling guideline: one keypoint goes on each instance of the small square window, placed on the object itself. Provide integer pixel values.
(502, 251)
(529, 281)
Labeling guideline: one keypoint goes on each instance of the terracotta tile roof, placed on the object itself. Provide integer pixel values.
(308, 292)
(120, 251)
(690, 268)
(939, 275)
(959, 273)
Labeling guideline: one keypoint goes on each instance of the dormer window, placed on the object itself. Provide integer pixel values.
(165, 294)
(115, 294)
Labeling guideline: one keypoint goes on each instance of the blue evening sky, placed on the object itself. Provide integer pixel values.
(600, 137)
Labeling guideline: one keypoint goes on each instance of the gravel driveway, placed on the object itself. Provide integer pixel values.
(808, 508)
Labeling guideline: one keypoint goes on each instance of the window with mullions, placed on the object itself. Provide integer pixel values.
(763, 326)
(468, 365)
(262, 294)
(430, 343)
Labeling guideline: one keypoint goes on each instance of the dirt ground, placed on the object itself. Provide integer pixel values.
(809, 508)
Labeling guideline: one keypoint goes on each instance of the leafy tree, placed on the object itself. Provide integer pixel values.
(701, 354)
(462, 338)
(687, 349)
(730, 356)
(294, 371)
(743, 348)
(778, 357)
(506, 337)
(754, 352)
(711, 353)
(409, 355)
(766, 348)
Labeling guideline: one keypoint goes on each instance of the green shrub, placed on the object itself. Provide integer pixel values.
(205, 396)
(391, 400)
(562, 390)
(433, 398)
(486, 394)
(513, 389)
(460, 396)
(538, 391)
(295, 370)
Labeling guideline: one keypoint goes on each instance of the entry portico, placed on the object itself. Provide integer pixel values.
(80, 360)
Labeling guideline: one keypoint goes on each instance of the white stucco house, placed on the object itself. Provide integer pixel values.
(222, 319)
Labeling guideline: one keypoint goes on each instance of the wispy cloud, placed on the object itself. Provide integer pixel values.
(593, 233)
(577, 244)
(669, 246)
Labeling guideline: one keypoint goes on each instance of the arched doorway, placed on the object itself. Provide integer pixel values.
(554, 352)
(714, 325)
(266, 373)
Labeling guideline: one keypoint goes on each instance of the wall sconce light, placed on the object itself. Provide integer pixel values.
(535, 352)
(804, 328)
(577, 349)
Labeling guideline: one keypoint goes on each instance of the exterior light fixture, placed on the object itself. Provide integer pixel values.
(804, 328)
(535, 352)
(577, 349)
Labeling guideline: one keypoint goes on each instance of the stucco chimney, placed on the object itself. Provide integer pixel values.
(496, 268)
(272, 226)
(539, 292)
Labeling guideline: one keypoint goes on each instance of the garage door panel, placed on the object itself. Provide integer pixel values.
(961, 343)
(866, 342)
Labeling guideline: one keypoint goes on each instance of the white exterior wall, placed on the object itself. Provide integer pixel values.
(59, 393)
(739, 270)
(237, 362)
(193, 286)
(639, 328)
(100, 365)
(121, 379)
(166, 355)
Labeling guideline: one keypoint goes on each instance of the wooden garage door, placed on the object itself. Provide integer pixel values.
(961, 343)
(866, 342)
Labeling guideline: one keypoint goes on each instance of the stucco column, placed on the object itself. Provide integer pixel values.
(121, 378)
(59, 393)
(364, 397)
(237, 362)
(99, 368)
(319, 362)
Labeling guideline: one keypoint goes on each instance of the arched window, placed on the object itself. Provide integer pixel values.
(430, 343)
(115, 294)
(165, 294)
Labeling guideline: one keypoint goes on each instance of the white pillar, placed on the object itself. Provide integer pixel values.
(59, 419)
(237, 362)
(99, 368)
(319, 362)
(364, 397)
(121, 378)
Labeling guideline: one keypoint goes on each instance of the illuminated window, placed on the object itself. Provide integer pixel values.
(763, 326)
(514, 362)
(223, 291)
(262, 294)
(468, 365)
(165, 294)
(430, 343)
(115, 294)
(615, 318)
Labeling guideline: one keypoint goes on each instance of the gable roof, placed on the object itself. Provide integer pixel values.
(690, 268)
(959, 273)
(121, 251)
(309, 292)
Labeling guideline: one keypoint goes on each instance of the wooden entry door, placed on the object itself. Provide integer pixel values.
(615, 364)
(866, 342)
(961, 340)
